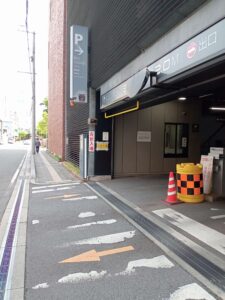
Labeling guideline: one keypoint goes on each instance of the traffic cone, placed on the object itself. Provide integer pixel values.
(172, 193)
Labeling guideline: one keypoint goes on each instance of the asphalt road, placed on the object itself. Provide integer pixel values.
(11, 156)
(79, 247)
(67, 220)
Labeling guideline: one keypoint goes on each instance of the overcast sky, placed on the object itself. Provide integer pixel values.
(15, 87)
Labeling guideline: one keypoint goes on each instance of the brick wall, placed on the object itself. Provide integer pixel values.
(56, 71)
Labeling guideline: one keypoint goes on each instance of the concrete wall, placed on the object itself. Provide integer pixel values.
(135, 158)
(56, 78)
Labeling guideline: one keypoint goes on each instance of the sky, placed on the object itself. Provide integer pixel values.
(15, 80)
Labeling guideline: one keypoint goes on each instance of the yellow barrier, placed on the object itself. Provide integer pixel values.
(190, 183)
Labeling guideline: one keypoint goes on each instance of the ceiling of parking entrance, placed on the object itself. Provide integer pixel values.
(120, 30)
(206, 84)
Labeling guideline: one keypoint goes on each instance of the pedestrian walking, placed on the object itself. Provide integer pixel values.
(37, 145)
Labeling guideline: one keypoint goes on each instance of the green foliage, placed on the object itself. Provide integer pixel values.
(42, 126)
(23, 135)
(55, 156)
(45, 103)
(71, 167)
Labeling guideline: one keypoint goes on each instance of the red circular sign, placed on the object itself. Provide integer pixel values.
(191, 50)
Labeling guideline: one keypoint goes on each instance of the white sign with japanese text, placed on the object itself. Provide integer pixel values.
(91, 141)
(207, 163)
(144, 136)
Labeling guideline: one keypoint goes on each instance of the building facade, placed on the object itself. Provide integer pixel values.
(56, 72)
(155, 69)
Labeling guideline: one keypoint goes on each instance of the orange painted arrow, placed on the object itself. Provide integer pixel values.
(93, 255)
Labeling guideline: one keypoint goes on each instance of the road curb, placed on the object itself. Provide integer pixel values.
(33, 169)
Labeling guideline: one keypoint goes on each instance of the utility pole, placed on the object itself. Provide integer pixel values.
(33, 98)
(33, 106)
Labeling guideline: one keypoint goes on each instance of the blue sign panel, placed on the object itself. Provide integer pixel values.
(79, 63)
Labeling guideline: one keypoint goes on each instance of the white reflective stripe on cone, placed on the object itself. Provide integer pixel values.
(172, 178)
(171, 186)
(171, 193)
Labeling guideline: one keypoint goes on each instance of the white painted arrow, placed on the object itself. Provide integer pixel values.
(79, 50)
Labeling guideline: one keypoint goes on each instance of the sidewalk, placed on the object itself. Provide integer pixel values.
(141, 200)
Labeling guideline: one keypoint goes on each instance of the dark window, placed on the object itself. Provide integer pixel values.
(176, 140)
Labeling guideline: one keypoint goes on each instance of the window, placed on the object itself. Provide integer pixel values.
(176, 140)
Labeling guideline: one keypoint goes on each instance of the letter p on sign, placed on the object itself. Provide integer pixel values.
(78, 38)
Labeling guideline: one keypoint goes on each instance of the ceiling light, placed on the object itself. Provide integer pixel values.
(205, 96)
(182, 98)
(217, 108)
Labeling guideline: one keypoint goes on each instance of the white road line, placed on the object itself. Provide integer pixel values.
(17, 170)
(43, 191)
(217, 217)
(78, 277)
(34, 222)
(191, 291)
(158, 262)
(104, 222)
(105, 239)
(81, 198)
(51, 190)
(54, 185)
(209, 236)
(86, 214)
(41, 286)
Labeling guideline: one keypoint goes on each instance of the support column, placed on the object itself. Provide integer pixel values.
(91, 127)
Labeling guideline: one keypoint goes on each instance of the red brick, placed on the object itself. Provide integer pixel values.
(56, 73)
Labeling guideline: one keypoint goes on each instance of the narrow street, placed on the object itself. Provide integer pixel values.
(80, 248)
(63, 238)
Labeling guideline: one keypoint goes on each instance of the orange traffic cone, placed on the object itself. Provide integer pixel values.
(171, 194)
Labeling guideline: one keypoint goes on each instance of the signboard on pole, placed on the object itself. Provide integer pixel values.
(207, 163)
(91, 143)
(78, 63)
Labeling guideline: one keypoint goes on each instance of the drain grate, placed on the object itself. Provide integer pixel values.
(205, 267)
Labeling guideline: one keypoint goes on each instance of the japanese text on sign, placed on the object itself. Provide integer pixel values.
(91, 143)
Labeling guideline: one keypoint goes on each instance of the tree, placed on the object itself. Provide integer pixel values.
(23, 135)
(42, 126)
